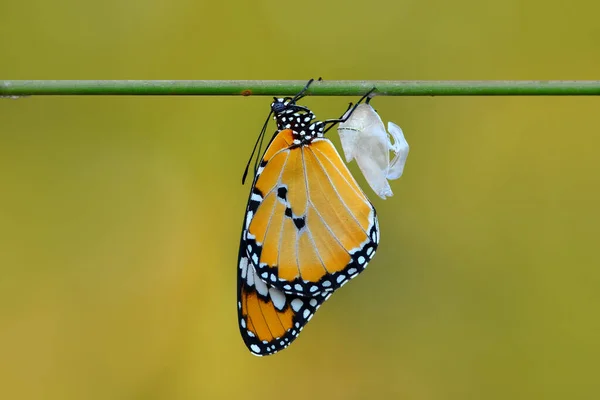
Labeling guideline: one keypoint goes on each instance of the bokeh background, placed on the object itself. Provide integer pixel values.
(120, 216)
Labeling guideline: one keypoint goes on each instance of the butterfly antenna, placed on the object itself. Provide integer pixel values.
(257, 159)
(259, 140)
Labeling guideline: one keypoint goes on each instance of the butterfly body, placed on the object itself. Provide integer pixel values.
(308, 230)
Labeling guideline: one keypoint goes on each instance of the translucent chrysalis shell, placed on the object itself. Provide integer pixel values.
(365, 139)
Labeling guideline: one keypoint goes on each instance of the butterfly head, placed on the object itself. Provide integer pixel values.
(279, 105)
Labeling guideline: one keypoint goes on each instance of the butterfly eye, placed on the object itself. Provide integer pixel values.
(365, 139)
(278, 107)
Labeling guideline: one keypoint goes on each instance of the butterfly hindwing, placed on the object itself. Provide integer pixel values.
(270, 319)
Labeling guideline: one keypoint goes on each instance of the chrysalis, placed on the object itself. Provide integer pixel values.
(365, 139)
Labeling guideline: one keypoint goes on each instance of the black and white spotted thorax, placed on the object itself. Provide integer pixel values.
(299, 119)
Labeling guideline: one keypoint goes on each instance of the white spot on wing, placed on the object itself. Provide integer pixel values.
(255, 348)
(244, 266)
(255, 197)
(249, 219)
(278, 298)
(297, 304)
(261, 286)
(251, 273)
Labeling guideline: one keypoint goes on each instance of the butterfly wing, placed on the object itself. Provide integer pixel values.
(309, 227)
(269, 319)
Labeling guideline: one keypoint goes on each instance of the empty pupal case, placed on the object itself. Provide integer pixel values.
(365, 139)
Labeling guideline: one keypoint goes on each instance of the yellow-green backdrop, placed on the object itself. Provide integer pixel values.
(120, 217)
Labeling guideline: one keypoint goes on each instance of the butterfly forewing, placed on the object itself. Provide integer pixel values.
(310, 226)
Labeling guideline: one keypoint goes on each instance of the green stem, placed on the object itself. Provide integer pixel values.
(10, 88)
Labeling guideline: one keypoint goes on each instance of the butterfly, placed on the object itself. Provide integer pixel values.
(308, 229)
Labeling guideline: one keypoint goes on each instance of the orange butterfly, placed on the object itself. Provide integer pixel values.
(308, 229)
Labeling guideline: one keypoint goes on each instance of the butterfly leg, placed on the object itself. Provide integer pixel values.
(347, 114)
(301, 94)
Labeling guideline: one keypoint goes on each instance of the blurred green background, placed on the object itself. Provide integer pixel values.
(120, 216)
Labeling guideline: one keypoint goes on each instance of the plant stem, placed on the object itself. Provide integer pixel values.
(10, 88)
